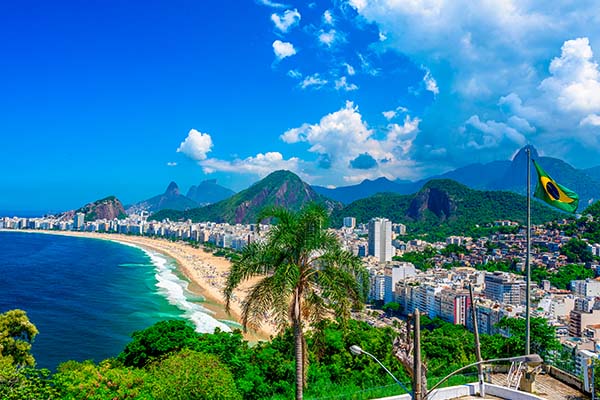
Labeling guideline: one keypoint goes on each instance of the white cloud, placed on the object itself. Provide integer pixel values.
(342, 136)
(271, 4)
(497, 61)
(574, 80)
(283, 49)
(342, 84)
(314, 80)
(591, 120)
(349, 69)
(196, 145)
(287, 20)
(328, 38)
(328, 17)
(260, 165)
(171, 164)
(389, 115)
(430, 83)
(294, 73)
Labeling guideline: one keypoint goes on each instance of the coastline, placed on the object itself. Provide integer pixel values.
(207, 274)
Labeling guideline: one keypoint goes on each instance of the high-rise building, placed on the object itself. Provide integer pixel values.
(380, 239)
(501, 287)
(79, 220)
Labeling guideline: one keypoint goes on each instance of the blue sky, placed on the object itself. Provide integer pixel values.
(114, 97)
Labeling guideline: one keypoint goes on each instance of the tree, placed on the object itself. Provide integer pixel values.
(160, 339)
(576, 250)
(16, 335)
(303, 275)
(193, 375)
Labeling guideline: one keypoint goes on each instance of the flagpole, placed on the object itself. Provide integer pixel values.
(527, 260)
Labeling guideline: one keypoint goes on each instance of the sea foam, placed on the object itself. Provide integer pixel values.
(175, 290)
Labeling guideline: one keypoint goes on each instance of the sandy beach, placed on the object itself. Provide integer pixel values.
(206, 272)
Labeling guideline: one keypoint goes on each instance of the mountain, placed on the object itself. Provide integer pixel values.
(280, 188)
(445, 205)
(507, 175)
(170, 199)
(515, 177)
(348, 194)
(107, 208)
(208, 192)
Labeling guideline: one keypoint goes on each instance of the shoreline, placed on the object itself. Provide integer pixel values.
(206, 273)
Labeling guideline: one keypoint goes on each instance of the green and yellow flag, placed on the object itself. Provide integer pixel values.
(553, 193)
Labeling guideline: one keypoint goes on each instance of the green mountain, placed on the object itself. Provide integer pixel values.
(171, 199)
(107, 208)
(446, 206)
(208, 192)
(280, 188)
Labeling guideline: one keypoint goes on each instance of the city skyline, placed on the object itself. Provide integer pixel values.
(121, 99)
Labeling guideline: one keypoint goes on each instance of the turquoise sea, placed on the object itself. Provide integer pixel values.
(86, 296)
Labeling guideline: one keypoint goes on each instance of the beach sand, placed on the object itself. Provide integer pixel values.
(206, 272)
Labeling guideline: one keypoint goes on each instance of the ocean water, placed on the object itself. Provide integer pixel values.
(87, 296)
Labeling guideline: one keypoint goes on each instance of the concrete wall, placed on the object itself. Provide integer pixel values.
(506, 393)
(565, 378)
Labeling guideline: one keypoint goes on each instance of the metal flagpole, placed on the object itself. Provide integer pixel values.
(527, 260)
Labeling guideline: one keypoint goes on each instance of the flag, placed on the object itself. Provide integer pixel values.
(553, 193)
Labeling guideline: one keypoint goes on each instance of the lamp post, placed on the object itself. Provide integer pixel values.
(529, 359)
(356, 350)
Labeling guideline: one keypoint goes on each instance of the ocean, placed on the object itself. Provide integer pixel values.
(87, 296)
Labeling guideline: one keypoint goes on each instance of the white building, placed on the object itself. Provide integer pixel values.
(380, 239)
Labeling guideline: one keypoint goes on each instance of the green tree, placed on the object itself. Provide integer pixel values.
(543, 337)
(17, 383)
(304, 273)
(576, 250)
(16, 335)
(160, 339)
(193, 375)
(85, 380)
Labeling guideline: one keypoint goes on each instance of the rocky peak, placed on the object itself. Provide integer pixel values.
(172, 189)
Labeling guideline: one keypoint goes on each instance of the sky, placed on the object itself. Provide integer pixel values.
(120, 98)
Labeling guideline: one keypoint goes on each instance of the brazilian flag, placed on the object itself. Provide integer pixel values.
(553, 193)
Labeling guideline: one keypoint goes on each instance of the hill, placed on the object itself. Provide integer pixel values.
(445, 206)
(348, 194)
(280, 188)
(171, 199)
(208, 192)
(508, 175)
(107, 208)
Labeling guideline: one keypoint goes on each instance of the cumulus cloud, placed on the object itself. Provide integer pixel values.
(294, 73)
(350, 69)
(344, 142)
(171, 164)
(287, 20)
(503, 63)
(196, 145)
(260, 164)
(283, 49)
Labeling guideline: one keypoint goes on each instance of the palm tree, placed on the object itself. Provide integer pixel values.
(303, 276)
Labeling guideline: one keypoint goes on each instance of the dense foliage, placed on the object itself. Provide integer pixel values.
(184, 364)
(443, 208)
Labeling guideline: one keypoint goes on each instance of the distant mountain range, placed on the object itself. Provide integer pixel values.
(496, 175)
(206, 192)
(446, 205)
(280, 188)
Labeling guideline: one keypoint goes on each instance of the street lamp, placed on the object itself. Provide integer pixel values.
(354, 349)
(529, 359)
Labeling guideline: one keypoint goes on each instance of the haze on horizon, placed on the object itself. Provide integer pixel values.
(122, 98)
